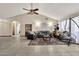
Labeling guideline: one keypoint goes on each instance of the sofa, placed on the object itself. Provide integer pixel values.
(30, 35)
(43, 34)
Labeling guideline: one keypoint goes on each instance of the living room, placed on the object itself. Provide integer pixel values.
(36, 25)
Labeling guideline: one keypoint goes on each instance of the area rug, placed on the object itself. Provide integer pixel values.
(40, 41)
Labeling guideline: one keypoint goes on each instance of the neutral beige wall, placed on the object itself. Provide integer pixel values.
(5, 28)
(30, 19)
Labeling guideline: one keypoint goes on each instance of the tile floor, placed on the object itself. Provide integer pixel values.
(18, 46)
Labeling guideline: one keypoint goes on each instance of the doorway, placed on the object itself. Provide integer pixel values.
(15, 28)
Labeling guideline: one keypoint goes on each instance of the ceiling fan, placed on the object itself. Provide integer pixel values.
(32, 11)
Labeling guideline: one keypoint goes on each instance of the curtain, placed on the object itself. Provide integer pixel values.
(64, 26)
(75, 29)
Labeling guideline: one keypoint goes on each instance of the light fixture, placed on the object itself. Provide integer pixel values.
(37, 23)
(50, 23)
(14, 22)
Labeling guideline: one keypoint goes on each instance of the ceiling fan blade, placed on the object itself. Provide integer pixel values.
(28, 13)
(26, 9)
(35, 9)
(36, 13)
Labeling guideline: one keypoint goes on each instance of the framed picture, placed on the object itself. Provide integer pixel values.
(28, 27)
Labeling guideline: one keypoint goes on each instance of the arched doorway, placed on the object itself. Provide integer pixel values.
(15, 28)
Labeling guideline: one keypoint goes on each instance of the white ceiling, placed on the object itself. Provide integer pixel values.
(57, 11)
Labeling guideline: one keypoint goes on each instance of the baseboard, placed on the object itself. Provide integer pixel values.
(22, 35)
(5, 36)
(10, 35)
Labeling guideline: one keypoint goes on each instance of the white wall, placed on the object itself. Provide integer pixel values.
(31, 19)
(5, 28)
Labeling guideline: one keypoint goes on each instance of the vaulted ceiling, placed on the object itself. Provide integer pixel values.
(56, 11)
